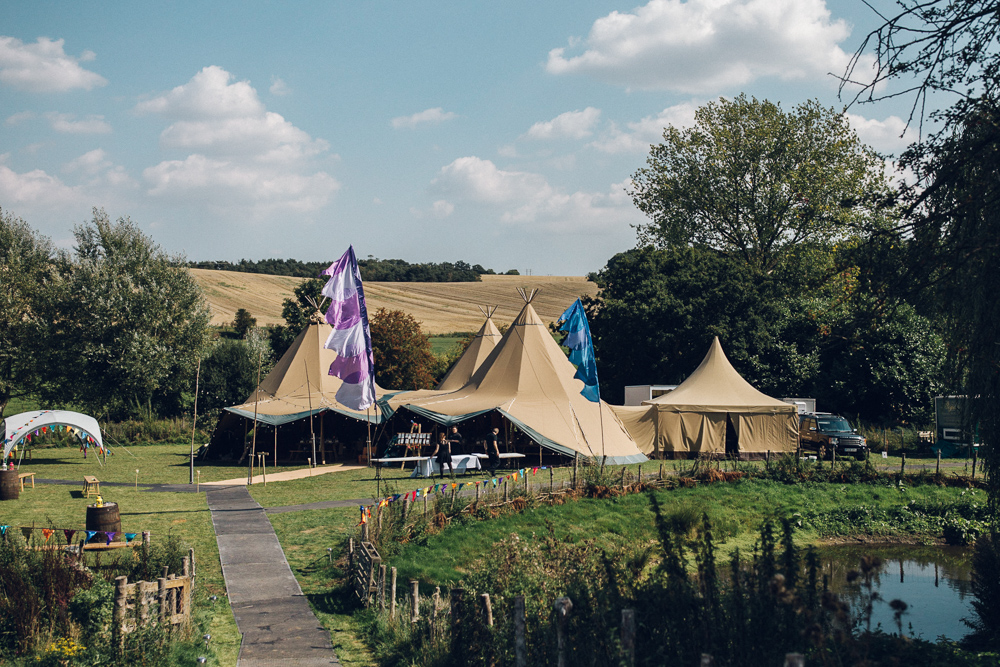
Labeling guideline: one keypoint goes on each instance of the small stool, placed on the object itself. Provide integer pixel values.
(27, 475)
(91, 485)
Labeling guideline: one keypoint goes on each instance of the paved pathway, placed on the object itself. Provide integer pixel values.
(278, 626)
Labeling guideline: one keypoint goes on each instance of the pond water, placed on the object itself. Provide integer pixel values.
(933, 581)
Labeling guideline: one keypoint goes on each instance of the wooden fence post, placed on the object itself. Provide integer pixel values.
(477, 493)
(145, 538)
(458, 652)
(937, 471)
(414, 600)
(381, 587)
(563, 606)
(975, 456)
(623, 478)
(350, 554)
(434, 612)
(551, 476)
(406, 507)
(902, 464)
(506, 495)
(661, 471)
(576, 467)
(707, 660)
(118, 621)
(487, 609)
(795, 660)
(628, 637)
(161, 597)
(392, 590)
(520, 627)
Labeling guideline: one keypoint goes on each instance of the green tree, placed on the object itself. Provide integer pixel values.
(128, 325)
(755, 181)
(243, 322)
(403, 357)
(230, 369)
(27, 273)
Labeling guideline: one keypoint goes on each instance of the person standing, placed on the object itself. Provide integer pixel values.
(442, 451)
(457, 441)
(493, 451)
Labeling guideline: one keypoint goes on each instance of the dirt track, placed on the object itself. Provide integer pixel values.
(440, 307)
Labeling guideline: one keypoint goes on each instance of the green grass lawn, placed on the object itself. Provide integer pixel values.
(305, 538)
(185, 515)
(441, 345)
(157, 464)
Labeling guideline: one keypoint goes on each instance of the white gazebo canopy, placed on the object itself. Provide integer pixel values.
(19, 427)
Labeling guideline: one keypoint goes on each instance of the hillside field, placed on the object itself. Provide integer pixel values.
(439, 307)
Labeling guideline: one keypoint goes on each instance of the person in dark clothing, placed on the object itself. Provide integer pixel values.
(493, 451)
(457, 441)
(443, 453)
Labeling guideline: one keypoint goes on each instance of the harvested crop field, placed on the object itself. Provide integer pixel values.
(439, 307)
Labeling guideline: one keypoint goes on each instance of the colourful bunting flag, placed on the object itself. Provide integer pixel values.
(47, 533)
(129, 537)
(69, 532)
(3, 530)
(110, 534)
(26, 531)
(90, 534)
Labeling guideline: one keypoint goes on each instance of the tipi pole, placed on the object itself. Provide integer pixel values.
(312, 431)
(194, 420)
(256, 402)
(369, 420)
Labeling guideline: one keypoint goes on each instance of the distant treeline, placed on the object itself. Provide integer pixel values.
(373, 269)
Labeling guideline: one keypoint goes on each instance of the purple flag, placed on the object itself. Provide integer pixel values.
(351, 338)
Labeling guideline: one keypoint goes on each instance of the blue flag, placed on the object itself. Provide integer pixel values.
(581, 349)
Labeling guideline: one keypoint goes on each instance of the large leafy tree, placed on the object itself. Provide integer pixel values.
(27, 274)
(755, 181)
(403, 357)
(127, 326)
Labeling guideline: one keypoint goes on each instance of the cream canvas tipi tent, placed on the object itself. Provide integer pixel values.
(715, 411)
(529, 381)
(479, 349)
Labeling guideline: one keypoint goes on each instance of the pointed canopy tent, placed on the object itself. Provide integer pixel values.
(529, 381)
(24, 425)
(693, 417)
(474, 356)
(300, 385)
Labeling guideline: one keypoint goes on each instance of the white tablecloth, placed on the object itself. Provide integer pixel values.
(460, 462)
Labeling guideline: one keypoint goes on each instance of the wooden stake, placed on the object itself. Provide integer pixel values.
(118, 621)
(487, 609)
(628, 637)
(392, 590)
(563, 606)
(414, 600)
(520, 632)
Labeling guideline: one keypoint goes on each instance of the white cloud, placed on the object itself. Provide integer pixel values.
(649, 130)
(228, 183)
(569, 125)
(279, 87)
(207, 95)
(19, 117)
(91, 162)
(706, 46)
(43, 67)
(67, 123)
(435, 115)
(242, 157)
(527, 199)
(886, 136)
(35, 188)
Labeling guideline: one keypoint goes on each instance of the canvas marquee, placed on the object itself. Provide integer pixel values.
(716, 412)
(19, 427)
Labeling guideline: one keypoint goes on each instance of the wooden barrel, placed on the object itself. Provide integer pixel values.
(10, 485)
(103, 518)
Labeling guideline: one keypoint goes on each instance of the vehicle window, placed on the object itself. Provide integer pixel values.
(835, 424)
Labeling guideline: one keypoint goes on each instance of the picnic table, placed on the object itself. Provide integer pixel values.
(460, 463)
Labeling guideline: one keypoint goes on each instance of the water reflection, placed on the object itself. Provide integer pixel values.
(933, 581)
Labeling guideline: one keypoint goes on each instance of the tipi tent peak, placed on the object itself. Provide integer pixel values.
(475, 354)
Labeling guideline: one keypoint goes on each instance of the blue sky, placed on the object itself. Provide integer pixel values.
(502, 134)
